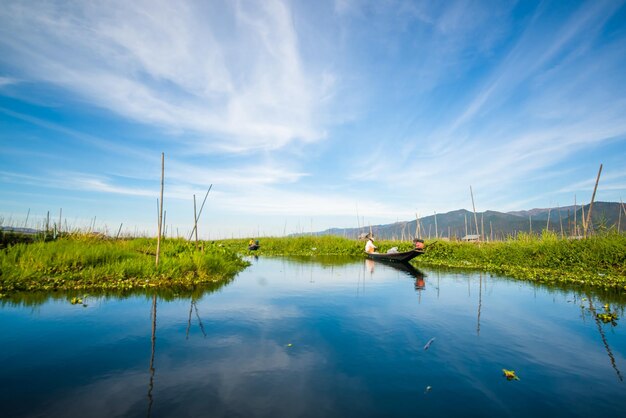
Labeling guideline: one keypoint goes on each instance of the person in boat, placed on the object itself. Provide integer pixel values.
(419, 244)
(369, 245)
(253, 245)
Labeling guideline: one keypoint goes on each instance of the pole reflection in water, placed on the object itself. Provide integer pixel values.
(153, 340)
(604, 341)
(193, 307)
(480, 302)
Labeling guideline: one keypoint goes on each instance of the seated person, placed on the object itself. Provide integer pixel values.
(369, 246)
(419, 244)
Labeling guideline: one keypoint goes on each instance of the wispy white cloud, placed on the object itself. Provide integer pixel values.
(552, 83)
(534, 53)
(236, 77)
(295, 110)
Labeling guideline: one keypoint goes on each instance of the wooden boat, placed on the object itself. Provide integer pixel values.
(395, 257)
(253, 247)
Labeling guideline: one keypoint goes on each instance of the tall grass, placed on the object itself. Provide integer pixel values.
(597, 261)
(94, 262)
(300, 246)
(88, 262)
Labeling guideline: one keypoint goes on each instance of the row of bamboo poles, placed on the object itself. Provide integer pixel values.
(479, 231)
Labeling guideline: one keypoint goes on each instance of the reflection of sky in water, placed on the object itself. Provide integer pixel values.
(357, 333)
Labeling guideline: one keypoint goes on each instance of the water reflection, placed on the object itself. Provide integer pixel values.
(194, 307)
(32, 299)
(609, 352)
(480, 302)
(290, 338)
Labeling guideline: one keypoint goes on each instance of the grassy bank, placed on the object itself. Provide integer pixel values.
(87, 262)
(598, 261)
(94, 263)
(299, 246)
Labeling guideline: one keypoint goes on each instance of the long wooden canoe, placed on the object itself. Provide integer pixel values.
(395, 257)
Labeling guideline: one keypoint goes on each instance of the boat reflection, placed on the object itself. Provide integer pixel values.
(407, 268)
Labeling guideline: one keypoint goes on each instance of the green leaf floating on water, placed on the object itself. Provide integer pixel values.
(607, 317)
(510, 374)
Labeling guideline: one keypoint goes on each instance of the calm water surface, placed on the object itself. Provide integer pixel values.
(332, 337)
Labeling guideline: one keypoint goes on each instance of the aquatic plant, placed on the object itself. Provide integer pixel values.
(95, 262)
(598, 261)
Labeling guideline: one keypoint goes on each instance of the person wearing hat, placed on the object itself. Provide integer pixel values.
(369, 246)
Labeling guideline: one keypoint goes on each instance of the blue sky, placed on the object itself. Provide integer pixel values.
(306, 115)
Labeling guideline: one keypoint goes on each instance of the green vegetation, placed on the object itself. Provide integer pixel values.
(8, 238)
(598, 261)
(300, 246)
(81, 263)
(87, 262)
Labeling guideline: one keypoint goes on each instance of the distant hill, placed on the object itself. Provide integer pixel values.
(495, 225)
(18, 230)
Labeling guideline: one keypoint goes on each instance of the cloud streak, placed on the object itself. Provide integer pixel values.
(295, 109)
(238, 79)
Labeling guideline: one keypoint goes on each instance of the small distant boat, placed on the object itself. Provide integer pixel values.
(395, 257)
(253, 245)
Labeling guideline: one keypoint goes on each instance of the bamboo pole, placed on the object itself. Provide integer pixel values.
(60, 218)
(163, 232)
(569, 223)
(593, 196)
(575, 227)
(119, 230)
(582, 218)
(548, 223)
(474, 208)
(482, 226)
(436, 230)
(465, 224)
(159, 226)
(418, 233)
(27, 215)
(195, 220)
(200, 212)
(560, 219)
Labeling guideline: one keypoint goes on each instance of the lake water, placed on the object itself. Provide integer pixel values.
(332, 337)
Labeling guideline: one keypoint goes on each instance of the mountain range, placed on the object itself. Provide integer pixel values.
(567, 220)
